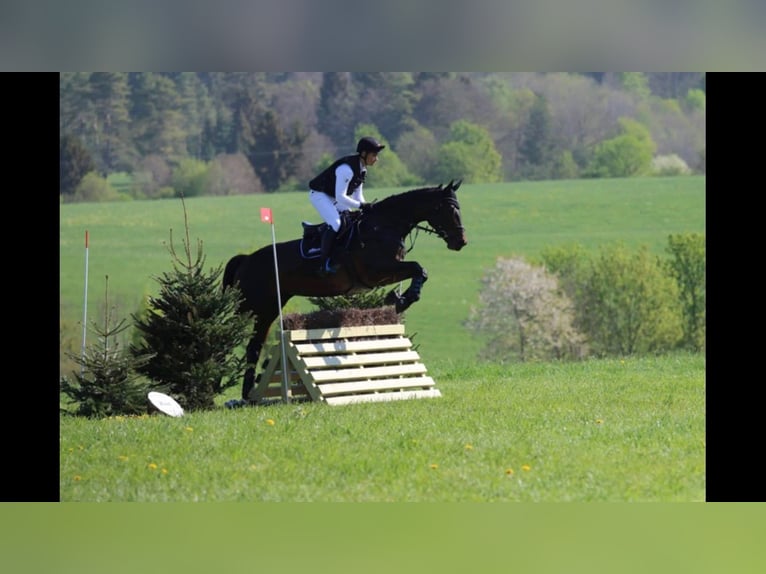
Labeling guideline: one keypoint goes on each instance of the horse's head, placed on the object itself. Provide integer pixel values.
(446, 219)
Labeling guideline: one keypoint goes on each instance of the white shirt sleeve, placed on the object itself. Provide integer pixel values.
(358, 194)
(343, 175)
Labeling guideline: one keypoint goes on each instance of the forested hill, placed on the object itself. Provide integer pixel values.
(224, 133)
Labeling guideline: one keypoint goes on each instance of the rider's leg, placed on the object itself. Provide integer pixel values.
(328, 246)
(325, 205)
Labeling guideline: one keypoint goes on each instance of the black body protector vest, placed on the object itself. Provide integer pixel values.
(325, 181)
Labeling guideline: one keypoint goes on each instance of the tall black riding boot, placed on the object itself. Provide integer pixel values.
(328, 246)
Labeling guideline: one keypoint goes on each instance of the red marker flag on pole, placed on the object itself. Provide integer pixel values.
(266, 215)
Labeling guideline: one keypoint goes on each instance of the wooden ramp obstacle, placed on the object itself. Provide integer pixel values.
(344, 365)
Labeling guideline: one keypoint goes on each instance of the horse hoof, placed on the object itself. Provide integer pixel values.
(236, 403)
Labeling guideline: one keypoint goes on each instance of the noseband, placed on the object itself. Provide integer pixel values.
(440, 230)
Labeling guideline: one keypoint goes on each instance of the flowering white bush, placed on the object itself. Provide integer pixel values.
(525, 314)
(669, 165)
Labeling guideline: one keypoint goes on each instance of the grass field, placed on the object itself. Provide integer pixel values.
(128, 241)
(609, 430)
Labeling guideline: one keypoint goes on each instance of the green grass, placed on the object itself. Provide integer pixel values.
(128, 241)
(606, 430)
(609, 430)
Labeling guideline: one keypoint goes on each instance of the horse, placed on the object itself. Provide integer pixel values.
(372, 251)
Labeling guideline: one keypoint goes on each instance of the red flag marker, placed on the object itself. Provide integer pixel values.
(266, 215)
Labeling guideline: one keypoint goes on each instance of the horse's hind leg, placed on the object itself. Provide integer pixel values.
(252, 354)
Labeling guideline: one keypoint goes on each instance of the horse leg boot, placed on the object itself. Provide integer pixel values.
(327, 248)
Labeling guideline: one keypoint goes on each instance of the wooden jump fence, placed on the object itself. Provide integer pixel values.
(344, 365)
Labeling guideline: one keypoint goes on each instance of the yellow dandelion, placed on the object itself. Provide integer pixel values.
(469, 447)
(71, 449)
(599, 421)
(434, 466)
(526, 467)
(509, 471)
(164, 471)
(253, 467)
(122, 457)
(77, 477)
(189, 429)
(270, 422)
(152, 466)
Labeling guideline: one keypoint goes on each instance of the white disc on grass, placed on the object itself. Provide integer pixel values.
(166, 404)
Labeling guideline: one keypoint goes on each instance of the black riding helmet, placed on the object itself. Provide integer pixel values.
(368, 144)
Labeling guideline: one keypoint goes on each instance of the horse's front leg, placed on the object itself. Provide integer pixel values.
(419, 276)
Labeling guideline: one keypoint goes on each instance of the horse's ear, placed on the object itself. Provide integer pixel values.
(454, 187)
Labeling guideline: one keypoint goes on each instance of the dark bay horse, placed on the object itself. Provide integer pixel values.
(373, 257)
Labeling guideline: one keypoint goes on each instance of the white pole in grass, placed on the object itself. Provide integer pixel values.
(85, 308)
(267, 217)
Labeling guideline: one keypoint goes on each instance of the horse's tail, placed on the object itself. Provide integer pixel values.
(231, 269)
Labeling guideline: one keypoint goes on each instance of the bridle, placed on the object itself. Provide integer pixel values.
(439, 231)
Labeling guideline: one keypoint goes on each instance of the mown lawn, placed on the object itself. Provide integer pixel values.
(601, 430)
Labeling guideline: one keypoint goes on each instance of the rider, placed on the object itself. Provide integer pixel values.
(339, 188)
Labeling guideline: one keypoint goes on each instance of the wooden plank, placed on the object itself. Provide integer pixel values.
(353, 346)
(295, 390)
(330, 389)
(382, 397)
(344, 332)
(292, 377)
(347, 365)
(295, 359)
(330, 361)
(259, 390)
(363, 373)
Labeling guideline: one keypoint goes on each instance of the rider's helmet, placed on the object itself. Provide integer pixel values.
(369, 144)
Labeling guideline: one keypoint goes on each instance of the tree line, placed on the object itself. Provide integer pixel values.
(195, 133)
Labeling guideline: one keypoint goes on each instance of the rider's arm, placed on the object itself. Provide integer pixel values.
(358, 194)
(343, 175)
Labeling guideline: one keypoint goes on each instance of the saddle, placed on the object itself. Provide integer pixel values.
(311, 242)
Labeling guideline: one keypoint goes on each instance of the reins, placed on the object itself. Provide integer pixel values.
(418, 227)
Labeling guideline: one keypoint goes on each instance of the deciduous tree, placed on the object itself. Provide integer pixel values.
(524, 314)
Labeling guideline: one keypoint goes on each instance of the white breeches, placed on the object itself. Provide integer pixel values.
(326, 207)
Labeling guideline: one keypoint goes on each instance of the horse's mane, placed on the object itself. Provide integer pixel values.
(406, 197)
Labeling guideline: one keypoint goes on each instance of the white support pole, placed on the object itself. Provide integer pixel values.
(85, 308)
(285, 382)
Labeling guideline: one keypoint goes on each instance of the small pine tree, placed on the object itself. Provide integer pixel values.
(108, 383)
(193, 328)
